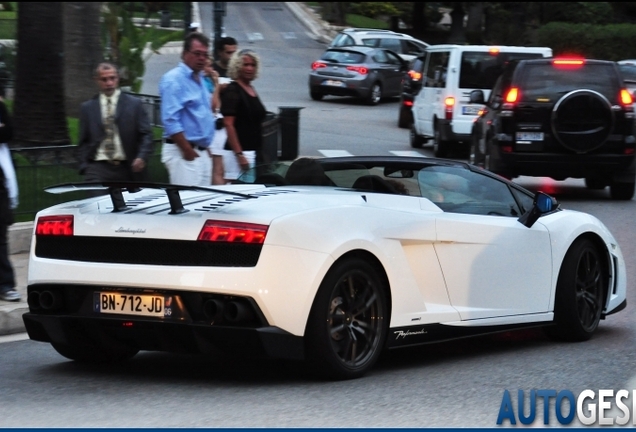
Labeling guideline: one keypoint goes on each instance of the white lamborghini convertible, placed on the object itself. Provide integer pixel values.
(328, 260)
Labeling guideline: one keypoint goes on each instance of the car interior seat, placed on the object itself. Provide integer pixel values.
(271, 179)
(307, 171)
(374, 183)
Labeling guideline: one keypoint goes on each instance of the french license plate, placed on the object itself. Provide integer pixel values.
(529, 136)
(333, 83)
(470, 110)
(132, 304)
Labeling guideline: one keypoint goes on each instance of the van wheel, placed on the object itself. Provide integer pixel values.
(417, 141)
(375, 94)
(440, 147)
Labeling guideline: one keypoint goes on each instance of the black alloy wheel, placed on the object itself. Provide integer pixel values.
(316, 95)
(348, 323)
(622, 191)
(580, 293)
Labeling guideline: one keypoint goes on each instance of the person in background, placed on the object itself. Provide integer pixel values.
(225, 48)
(243, 114)
(115, 138)
(220, 135)
(186, 113)
(8, 202)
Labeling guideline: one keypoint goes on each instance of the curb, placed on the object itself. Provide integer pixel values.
(321, 30)
(20, 237)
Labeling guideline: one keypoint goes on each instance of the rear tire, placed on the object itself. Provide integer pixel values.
(316, 95)
(91, 354)
(440, 147)
(580, 293)
(595, 183)
(348, 322)
(375, 94)
(417, 141)
(622, 191)
(405, 117)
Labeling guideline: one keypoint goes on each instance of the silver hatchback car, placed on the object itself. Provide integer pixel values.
(363, 72)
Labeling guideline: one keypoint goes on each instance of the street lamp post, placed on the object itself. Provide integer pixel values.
(220, 9)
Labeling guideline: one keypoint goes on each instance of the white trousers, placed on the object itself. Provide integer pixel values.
(197, 172)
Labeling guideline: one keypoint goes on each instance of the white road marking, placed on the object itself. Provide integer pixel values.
(334, 153)
(14, 337)
(288, 35)
(254, 36)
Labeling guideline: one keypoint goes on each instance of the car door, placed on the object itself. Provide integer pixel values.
(492, 264)
(396, 73)
(430, 100)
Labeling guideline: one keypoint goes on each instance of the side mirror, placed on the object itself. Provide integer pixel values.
(543, 203)
(477, 97)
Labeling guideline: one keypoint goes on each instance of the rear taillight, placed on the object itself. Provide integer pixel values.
(512, 96)
(317, 65)
(408, 103)
(55, 225)
(415, 76)
(360, 69)
(233, 232)
(449, 104)
(626, 98)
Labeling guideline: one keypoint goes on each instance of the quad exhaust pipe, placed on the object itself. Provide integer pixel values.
(45, 300)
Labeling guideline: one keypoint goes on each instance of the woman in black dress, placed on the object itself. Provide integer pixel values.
(243, 115)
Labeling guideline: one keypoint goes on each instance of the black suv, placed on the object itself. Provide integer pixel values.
(559, 118)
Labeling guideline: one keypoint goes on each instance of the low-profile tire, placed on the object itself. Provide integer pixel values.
(348, 322)
(90, 354)
(441, 148)
(317, 96)
(580, 293)
(417, 141)
(622, 191)
(375, 94)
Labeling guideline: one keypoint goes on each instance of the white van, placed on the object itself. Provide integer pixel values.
(441, 108)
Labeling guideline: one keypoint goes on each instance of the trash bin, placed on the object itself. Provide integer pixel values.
(165, 18)
(289, 120)
(270, 132)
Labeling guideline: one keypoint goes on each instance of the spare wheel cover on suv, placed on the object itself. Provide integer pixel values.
(582, 120)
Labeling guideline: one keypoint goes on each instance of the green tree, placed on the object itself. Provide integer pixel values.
(82, 52)
(39, 108)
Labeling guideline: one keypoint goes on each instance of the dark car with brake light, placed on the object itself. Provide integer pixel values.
(559, 118)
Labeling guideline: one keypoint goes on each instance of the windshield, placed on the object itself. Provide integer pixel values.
(480, 70)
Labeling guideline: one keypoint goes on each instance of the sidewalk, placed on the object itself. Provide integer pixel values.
(19, 245)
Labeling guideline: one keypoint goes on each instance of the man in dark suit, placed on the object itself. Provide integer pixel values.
(115, 138)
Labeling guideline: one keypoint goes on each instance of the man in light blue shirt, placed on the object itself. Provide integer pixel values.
(186, 113)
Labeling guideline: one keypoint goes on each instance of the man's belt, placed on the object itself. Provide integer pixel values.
(194, 146)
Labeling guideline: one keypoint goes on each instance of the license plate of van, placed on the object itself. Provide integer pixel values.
(529, 136)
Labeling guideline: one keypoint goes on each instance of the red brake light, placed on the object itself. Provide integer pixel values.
(513, 95)
(408, 103)
(493, 50)
(55, 225)
(360, 69)
(449, 102)
(317, 65)
(569, 62)
(626, 98)
(233, 232)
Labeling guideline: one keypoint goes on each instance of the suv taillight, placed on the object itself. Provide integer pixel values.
(626, 98)
(449, 104)
(511, 98)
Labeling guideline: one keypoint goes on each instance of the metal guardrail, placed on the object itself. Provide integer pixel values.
(40, 167)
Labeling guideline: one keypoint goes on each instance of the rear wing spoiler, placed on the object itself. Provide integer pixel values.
(116, 189)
